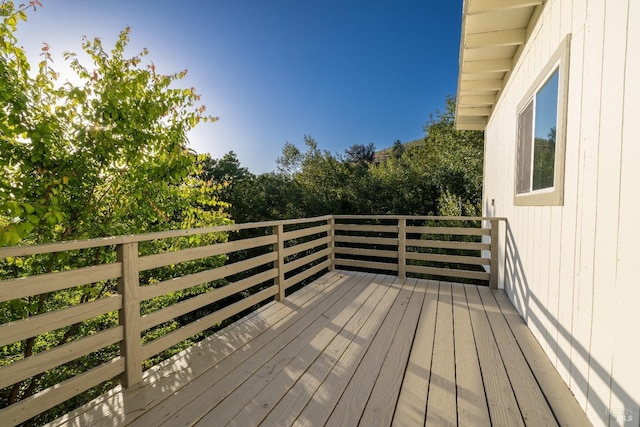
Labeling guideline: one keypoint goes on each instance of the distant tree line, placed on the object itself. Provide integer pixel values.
(442, 175)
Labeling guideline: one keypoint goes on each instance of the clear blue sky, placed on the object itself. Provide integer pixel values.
(345, 72)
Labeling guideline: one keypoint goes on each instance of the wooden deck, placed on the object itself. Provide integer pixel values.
(355, 349)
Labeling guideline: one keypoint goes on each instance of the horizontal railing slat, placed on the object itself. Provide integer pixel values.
(160, 344)
(306, 274)
(448, 272)
(366, 240)
(34, 285)
(365, 252)
(191, 280)
(419, 218)
(194, 303)
(54, 395)
(455, 259)
(305, 246)
(295, 234)
(33, 365)
(367, 227)
(389, 266)
(447, 244)
(457, 231)
(306, 260)
(169, 258)
(44, 248)
(34, 326)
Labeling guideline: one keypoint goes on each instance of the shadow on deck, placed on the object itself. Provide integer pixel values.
(355, 348)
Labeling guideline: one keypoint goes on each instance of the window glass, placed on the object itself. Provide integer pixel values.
(545, 134)
(525, 122)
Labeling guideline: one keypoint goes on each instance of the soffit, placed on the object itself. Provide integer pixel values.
(493, 31)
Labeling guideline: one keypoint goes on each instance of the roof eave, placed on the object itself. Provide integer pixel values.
(493, 33)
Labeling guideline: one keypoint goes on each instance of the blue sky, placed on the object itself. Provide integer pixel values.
(345, 72)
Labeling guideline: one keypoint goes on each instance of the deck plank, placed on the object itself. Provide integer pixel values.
(503, 408)
(471, 400)
(441, 405)
(325, 398)
(290, 407)
(533, 406)
(382, 402)
(354, 397)
(267, 388)
(412, 402)
(125, 406)
(200, 395)
(564, 406)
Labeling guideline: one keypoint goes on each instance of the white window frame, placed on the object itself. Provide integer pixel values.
(552, 196)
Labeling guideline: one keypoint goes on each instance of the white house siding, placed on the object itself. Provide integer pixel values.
(573, 271)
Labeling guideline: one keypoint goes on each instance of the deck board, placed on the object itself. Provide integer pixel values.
(379, 409)
(471, 399)
(355, 349)
(412, 403)
(503, 407)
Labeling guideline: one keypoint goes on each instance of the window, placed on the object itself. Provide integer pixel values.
(541, 131)
(537, 126)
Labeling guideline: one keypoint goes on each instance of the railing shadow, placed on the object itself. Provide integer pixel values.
(519, 291)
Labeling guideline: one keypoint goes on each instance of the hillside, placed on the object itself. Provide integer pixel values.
(382, 155)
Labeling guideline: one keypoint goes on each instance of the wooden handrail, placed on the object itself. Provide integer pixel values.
(286, 253)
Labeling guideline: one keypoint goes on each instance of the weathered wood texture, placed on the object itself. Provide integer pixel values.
(355, 349)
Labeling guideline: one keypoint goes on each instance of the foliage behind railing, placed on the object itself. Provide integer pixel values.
(159, 293)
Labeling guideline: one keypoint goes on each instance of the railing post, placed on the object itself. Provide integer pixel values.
(129, 314)
(332, 254)
(402, 248)
(278, 248)
(493, 266)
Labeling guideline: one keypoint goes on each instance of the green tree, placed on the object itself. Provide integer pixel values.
(455, 157)
(360, 154)
(290, 162)
(101, 158)
(105, 157)
(397, 149)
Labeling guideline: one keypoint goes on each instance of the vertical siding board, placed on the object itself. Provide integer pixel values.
(554, 283)
(566, 18)
(587, 199)
(554, 217)
(608, 192)
(547, 251)
(570, 209)
(625, 386)
(538, 252)
(555, 35)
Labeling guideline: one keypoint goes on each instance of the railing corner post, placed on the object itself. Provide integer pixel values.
(278, 247)
(402, 248)
(129, 314)
(493, 266)
(332, 251)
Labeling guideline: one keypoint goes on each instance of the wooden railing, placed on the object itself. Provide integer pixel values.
(446, 247)
(263, 261)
